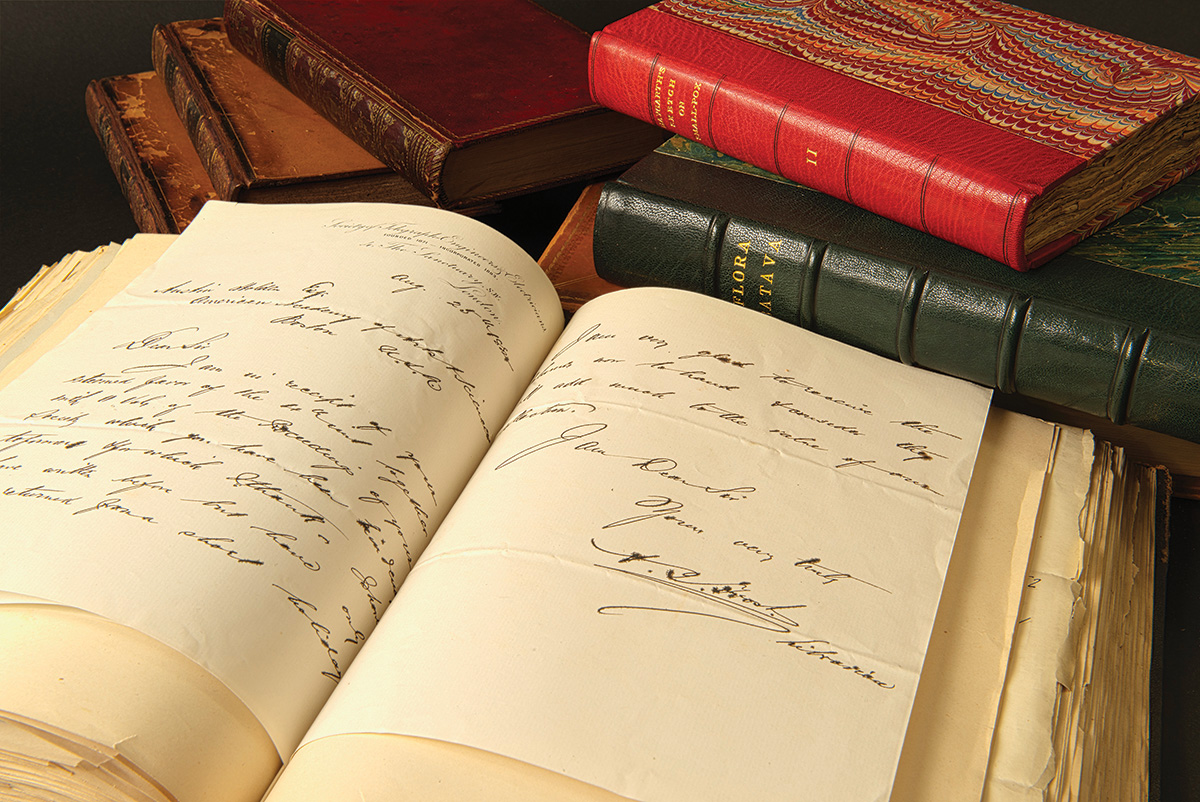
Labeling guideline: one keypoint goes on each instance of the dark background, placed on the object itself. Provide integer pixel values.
(57, 194)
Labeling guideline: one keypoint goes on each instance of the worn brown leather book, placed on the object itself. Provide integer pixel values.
(148, 150)
(259, 142)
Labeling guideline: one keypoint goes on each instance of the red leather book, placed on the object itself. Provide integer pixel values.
(470, 101)
(1003, 130)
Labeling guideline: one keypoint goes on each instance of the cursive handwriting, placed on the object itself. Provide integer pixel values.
(657, 465)
(723, 358)
(254, 423)
(42, 493)
(807, 442)
(736, 418)
(814, 648)
(254, 481)
(557, 408)
(32, 438)
(305, 303)
(791, 381)
(699, 376)
(925, 428)
(851, 462)
(55, 416)
(791, 409)
(170, 341)
(920, 452)
(659, 507)
(223, 545)
(323, 634)
(828, 575)
(116, 505)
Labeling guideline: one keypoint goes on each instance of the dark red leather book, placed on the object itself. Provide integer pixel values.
(1003, 130)
(470, 101)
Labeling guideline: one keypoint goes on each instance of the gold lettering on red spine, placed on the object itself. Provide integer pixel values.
(670, 104)
(674, 104)
(657, 94)
(810, 156)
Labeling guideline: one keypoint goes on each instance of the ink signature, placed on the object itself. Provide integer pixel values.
(736, 600)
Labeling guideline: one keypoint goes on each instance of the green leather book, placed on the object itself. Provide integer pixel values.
(1111, 328)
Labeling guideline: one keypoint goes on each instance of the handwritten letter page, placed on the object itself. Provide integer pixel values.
(243, 453)
(701, 561)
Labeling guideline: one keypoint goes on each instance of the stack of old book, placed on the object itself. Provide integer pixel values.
(434, 527)
(877, 176)
(978, 189)
(373, 103)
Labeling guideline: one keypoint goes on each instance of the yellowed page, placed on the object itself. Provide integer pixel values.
(1075, 671)
(1000, 509)
(1112, 727)
(347, 768)
(704, 539)
(242, 454)
(950, 733)
(62, 296)
(149, 713)
(1023, 760)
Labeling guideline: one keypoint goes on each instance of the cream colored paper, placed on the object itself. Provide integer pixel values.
(100, 700)
(702, 560)
(1022, 762)
(950, 734)
(63, 295)
(947, 742)
(369, 767)
(243, 453)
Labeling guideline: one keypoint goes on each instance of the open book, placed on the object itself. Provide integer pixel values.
(332, 486)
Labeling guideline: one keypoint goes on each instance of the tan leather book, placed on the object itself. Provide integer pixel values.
(160, 174)
(567, 259)
(257, 141)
